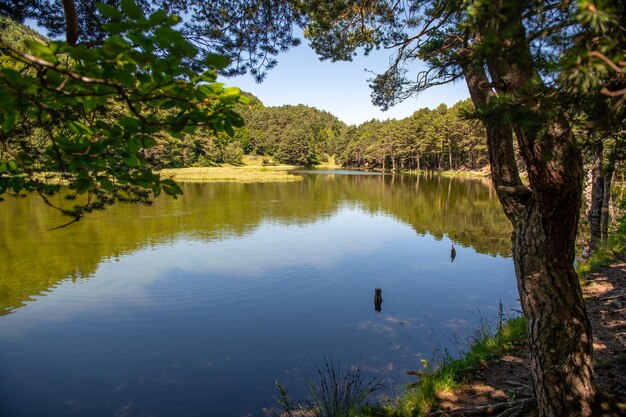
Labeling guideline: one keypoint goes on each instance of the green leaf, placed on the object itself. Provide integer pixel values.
(229, 129)
(83, 185)
(165, 35)
(130, 123)
(157, 17)
(12, 166)
(106, 184)
(148, 141)
(109, 11)
(8, 121)
(115, 28)
(42, 51)
(231, 91)
(171, 188)
(216, 61)
(130, 8)
(79, 128)
(131, 160)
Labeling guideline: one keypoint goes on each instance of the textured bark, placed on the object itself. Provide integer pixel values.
(544, 216)
(605, 216)
(596, 198)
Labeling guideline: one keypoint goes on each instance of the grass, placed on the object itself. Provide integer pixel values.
(467, 174)
(605, 254)
(336, 391)
(448, 373)
(244, 174)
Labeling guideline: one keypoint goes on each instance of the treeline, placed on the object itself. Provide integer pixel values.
(293, 135)
(440, 139)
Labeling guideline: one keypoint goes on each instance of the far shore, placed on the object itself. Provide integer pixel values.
(244, 174)
(280, 173)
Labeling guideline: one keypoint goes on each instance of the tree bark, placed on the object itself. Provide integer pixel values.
(71, 22)
(606, 198)
(597, 197)
(544, 215)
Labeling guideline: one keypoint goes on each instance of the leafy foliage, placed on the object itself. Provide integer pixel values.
(250, 33)
(87, 118)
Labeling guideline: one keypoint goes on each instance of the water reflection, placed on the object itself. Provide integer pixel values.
(33, 259)
(196, 306)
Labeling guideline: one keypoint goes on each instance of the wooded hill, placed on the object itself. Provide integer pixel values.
(439, 139)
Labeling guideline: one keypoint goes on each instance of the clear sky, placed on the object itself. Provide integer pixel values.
(340, 87)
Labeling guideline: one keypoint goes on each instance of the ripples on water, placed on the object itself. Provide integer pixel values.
(196, 306)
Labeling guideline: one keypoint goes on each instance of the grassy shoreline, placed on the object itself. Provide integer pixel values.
(243, 174)
(421, 397)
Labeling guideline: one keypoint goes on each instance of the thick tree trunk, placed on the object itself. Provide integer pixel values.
(545, 218)
(558, 329)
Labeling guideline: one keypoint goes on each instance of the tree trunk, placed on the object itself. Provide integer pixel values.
(71, 22)
(559, 332)
(597, 197)
(544, 217)
(606, 198)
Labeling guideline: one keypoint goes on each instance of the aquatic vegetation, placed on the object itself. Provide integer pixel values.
(335, 391)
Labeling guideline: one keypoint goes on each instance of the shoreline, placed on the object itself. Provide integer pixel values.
(499, 380)
(242, 174)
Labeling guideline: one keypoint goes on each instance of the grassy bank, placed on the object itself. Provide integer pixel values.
(245, 174)
(420, 398)
(607, 253)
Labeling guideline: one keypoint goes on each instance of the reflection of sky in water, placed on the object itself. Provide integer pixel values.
(199, 327)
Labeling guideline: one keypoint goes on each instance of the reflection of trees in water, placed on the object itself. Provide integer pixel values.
(33, 259)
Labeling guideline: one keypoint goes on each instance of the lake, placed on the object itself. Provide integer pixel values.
(196, 306)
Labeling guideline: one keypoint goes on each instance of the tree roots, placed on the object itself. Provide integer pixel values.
(516, 408)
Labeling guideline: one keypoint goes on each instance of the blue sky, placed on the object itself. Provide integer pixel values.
(340, 87)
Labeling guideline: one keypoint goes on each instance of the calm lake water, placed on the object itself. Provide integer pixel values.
(196, 306)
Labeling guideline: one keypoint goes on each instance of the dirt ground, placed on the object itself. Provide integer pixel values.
(503, 387)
